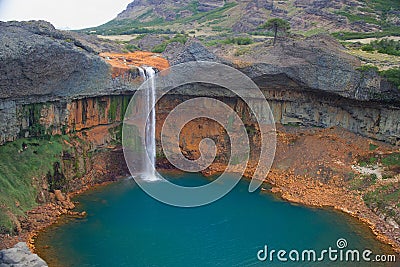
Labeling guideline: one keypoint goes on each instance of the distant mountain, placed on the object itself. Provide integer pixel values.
(248, 15)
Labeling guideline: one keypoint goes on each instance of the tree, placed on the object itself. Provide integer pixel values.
(277, 24)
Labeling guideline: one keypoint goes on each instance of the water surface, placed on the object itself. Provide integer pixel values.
(126, 227)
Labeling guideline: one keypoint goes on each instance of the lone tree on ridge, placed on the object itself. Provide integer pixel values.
(277, 24)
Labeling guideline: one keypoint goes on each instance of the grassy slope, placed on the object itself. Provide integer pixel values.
(385, 196)
(221, 19)
(374, 12)
(17, 168)
(126, 26)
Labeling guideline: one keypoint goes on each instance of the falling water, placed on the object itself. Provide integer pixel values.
(142, 73)
(148, 172)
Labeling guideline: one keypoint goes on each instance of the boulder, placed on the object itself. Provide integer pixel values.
(65, 201)
(38, 60)
(59, 195)
(192, 51)
(20, 255)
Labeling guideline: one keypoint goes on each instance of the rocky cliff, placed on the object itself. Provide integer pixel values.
(43, 73)
(311, 82)
(50, 83)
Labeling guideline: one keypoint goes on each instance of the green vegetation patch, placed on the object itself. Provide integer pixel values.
(33, 113)
(367, 68)
(22, 160)
(359, 17)
(192, 6)
(391, 160)
(362, 182)
(180, 38)
(118, 106)
(125, 103)
(127, 26)
(112, 112)
(384, 195)
(116, 134)
(386, 198)
(130, 48)
(372, 147)
(383, 5)
(231, 40)
(201, 17)
(242, 51)
(392, 75)
(391, 31)
(384, 46)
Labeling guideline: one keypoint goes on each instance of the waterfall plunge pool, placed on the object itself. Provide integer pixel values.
(126, 227)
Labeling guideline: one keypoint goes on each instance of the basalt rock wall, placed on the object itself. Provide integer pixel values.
(52, 84)
(20, 120)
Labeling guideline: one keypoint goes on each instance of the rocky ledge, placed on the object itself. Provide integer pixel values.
(38, 60)
(311, 81)
(20, 256)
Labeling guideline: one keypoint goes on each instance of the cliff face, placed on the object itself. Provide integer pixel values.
(52, 83)
(311, 82)
(59, 117)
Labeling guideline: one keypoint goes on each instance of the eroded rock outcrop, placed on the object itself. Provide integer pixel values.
(318, 63)
(52, 82)
(38, 60)
(312, 82)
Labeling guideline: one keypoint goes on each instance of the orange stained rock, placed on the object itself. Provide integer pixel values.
(121, 63)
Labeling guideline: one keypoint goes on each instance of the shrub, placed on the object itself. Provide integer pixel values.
(373, 160)
(391, 160)
(160, 48)
(372, 147)
(243, 40)
(242, 51)
(361, 35)
(181, 38)
(367, 48)
(392, 75)
(131, 47)
(367, 68)
(231, 40)
(384, 46)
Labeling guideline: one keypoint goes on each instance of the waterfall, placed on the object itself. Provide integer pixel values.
(150, 97)
(142, 73)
